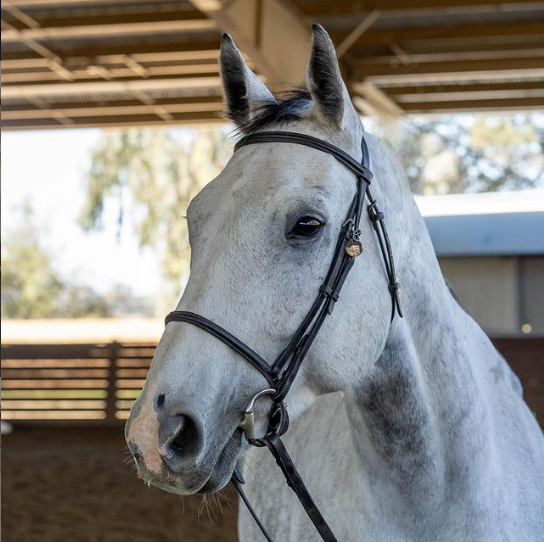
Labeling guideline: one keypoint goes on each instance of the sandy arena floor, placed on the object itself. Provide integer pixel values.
(73, 485)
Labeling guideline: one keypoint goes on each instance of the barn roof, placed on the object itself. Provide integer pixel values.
(79, 63)
(488, 224)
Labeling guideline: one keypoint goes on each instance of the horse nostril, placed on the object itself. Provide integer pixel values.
(185, 439)
(180, 440)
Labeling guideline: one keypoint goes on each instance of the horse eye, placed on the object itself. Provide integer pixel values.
(307, 226)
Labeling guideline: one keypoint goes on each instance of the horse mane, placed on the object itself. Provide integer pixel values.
(291, 106)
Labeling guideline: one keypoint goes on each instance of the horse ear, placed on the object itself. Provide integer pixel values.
(243, 90)
(329, 93)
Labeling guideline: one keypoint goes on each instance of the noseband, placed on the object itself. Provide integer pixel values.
(282, 373)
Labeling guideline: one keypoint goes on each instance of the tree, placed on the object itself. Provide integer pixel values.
(152, 174)
(30, 284)
(473, 153)
(33, 288)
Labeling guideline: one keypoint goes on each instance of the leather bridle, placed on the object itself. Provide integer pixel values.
(282, 373)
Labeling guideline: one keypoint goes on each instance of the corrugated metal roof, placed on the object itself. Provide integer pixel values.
(410, 51)
(495, 224)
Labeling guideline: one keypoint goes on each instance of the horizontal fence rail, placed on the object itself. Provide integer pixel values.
(97, 383)
(72, 381)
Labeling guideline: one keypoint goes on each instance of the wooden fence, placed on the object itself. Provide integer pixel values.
(91, 382)
(97, 383)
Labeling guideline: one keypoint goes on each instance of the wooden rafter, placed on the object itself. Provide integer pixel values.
(367, 21)
(74, 89)
(429, 90)
(107, 48)
(274, 36)
(476, 77)
(57, 3)
(129, 72)
(510, 104)
(114, 110)
(91, 18)
(364, 69)
(89, 63)
(113, 29)
(180, 56)
(53, 61)
(470, 95)
(439, 32)
(345, 7)
(148, 119)
(414, 59)
(372, 100)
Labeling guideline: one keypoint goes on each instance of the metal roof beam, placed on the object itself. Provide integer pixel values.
(114, 29)
(113, 110)
(55, 3)
(423, 33)
(272, 34)
(124, 101)
(339, 7)
(363, 69)
(46, 110)
(134, 48)
(149, 119)
(21, 16)
(509, 104)
(414, 59)
(59, 89)
(98, 71)
(476, 77)
(474, 53)
(53, 62)
(105, 16)
(470, 95)
(79, 61)
(357, 32)
(371, 100)
(440, 87)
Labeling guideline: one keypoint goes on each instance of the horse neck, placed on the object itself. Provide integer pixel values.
(419, 416)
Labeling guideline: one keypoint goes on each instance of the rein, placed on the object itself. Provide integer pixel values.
(282, 373)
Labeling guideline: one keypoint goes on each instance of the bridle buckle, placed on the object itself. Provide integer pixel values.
(247, 424)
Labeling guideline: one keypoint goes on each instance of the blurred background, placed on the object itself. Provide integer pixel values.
(111, 123)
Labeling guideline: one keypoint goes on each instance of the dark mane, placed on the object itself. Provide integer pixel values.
(289, 107)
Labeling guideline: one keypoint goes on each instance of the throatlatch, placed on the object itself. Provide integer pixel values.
(282, 373)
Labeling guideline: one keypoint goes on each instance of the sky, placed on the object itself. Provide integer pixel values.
(48, 169)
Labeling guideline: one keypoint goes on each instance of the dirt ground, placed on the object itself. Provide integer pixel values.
(67, 484)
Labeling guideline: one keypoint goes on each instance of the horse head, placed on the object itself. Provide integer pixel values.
(262, 237)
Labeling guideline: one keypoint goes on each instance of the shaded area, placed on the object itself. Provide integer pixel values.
(73, 484)
(81, 64)
(525, 358)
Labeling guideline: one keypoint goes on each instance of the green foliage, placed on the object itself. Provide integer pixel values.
(151, 175)
(30, 285)
(33, 288)
(470, 153)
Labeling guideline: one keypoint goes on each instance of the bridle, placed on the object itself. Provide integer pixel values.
(282, 373)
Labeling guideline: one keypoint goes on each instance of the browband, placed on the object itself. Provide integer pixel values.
(359, 169)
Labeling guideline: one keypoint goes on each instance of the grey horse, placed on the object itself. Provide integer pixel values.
(410, 430)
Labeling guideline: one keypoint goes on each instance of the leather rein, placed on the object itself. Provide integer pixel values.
(282, 373)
